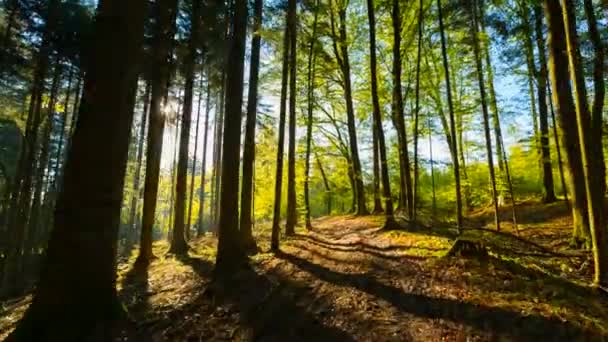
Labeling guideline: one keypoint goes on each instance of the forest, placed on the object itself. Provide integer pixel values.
(303, 170)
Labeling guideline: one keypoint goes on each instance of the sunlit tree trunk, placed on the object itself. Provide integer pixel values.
(195, 159)
(249, 145)
(158, 81)
(80, 271)
(417, 111)
(278, 187)
(451, 114)
(201, 208)
(229, 252)
(310, 106)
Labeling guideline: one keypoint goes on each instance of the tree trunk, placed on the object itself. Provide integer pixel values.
(390, 222)
(558, 149)
(178, 243)
(574, 139)
(249, 145)
(406, 193)
(376, 167)
(229, 253)
(592, 157)
(451, 114)
(549, 193)
(194, 157)
(201, 207)
(326, 184)
(310, 98)
(291, 150)
(158, 81)
(80, 269)
(341, 52)
(278, 187)
(486, 119)
(417, 112)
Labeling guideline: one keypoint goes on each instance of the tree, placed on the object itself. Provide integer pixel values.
(159, 75)
(229, 253)
(178, 243)
(451, 115)
(291, 150)
(80, 272)
(574, 125)
(249, 144)
(340, 46)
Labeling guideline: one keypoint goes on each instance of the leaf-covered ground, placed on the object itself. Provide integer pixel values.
(347, 280)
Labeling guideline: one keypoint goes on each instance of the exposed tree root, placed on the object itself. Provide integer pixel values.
(467, 248)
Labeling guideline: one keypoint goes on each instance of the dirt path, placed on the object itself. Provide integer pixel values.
(346, 281)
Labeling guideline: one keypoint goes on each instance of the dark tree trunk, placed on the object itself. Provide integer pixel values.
(558, 149)
(548, 187)
(278, 187)
(80, 269)
(407, 193)
(486, 116)
(229, 253)
(326, 184)
(573, 124)
(341, 52)
(134, 220)
(195, 159)
(249, 145)
(178, 243)
(165, 12)
(310, 98)
(417, 113)
(451, 114)
(291, 150)
(201, 207)
(377, 117)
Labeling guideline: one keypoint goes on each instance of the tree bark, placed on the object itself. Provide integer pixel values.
(246, 234)
(165, 12)
(451, 114)
(278, 187)
(201, 207)
(194, 157)
(291, 150)
(80, 269)
(229, 253)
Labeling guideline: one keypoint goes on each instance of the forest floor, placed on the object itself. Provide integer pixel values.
(347, 280)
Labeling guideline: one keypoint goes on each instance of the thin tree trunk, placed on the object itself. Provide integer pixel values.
(548, 187)
(80, 271)
(486, 119)
(278, 187)
(325, 183)
(376, 167)
(434, 196)
(229, 253)
(312, 56)
(201, 209)
(291, 150)
(246, 234)
(451, 113)
(558, 150)
(194, 162)
(417, 113)
(178, 243)
(159, 76)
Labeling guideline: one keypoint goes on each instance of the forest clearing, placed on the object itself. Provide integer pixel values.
(349, 281)
(303, 170)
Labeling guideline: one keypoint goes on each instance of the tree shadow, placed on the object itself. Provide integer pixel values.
(493, 319)
(361, 248)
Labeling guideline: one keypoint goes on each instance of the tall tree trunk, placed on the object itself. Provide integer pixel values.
(80, 271)
(417, 112)
(278, 187)
(229, 253)
(390, 222)
(406, 193)
(201, 207)
(326, 184)
(133, 219)
(249, 145)
(592, 157)
(165, 10)
(451, 114)
(312, 57)
(174, 175)
(195, 159)
(599, 91)
(341, 51)
(291, 150)
(376, 167)
(434, 195)
(219, 148)
(486, 118)
(558, 149)
(178, 244)
(548, 187)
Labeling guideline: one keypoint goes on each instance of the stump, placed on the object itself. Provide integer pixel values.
(468, 248)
